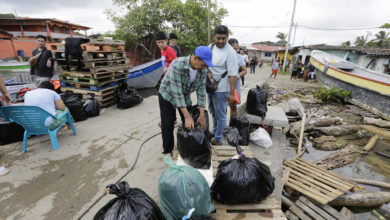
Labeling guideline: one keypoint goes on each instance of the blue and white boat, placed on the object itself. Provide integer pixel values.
(146, 75)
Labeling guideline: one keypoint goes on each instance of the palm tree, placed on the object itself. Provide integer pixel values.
(360, 41)
(381, 38)
(346, 44)
(282, 38)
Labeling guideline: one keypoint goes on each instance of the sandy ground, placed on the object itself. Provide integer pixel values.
(62, 184)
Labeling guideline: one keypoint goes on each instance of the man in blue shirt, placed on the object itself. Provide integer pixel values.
(224, 61)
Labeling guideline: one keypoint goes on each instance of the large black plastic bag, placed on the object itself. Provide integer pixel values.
(10, 132)
(231, 135)
(75, 105)
(256, 103)
(130, 204)
(194, 111)
(92, 106)
(242, 181)
(194, 147)
(127, 96)
(242, 124)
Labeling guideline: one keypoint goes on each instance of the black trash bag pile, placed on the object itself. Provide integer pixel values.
(194, 111)
(242, 181)
(92, 106)
(127, 96)
(256, 103)
(75, 105)
(231, 135)
(242, 124)
(130, 204)
(194, 147)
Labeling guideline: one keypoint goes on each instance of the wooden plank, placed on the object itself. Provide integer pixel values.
(317, 208)
(331, 186)
(321, 198)
(247, 216)
(315, 186)
(268, 203)
(309, 211)
(228, 147)
(291, 216)
(299, 212)
(321, 175)
(313, 169)
(330, 173)
(329, 189)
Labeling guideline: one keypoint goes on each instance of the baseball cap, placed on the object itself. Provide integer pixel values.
(205, 53)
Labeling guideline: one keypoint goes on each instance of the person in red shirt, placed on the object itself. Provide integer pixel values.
(168, 54)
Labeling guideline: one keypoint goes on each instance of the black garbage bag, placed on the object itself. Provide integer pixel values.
(130, 204)
(75, 105)
(127, 96)
(194, 147)
(194, 111)
(256, 103)
(10, 132)
(92, 106)
(231, 135)
(242, 124)
(242, 181)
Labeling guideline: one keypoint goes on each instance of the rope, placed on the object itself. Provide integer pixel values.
(123, 176)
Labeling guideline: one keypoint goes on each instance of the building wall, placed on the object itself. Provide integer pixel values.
(26, 44)
(281, 55)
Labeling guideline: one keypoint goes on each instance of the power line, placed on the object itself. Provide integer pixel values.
(307, 27)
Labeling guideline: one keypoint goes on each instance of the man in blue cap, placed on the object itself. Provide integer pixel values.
(184, 76)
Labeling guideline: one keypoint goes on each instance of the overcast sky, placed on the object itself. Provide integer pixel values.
(336, 14)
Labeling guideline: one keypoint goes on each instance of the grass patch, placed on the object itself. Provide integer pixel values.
(332, 95)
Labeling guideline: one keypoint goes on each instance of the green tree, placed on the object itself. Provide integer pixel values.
(386, 25)
(10, 15)
(381, 38)
(346, 44)
(282, 38)
(144, 18)
(360, 41)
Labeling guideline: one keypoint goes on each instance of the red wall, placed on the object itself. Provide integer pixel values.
(25, 44)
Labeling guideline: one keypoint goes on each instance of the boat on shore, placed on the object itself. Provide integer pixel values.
(146, 75)
(15, 72)
(369, 89)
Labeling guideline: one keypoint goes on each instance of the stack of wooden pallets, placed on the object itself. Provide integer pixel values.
(102, 65)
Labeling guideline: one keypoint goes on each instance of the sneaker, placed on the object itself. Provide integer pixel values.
(3, 171)
(214, 142)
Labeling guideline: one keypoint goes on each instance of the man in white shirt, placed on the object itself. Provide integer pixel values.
(224, 61)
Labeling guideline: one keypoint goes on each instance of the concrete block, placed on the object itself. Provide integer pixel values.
(275, 117)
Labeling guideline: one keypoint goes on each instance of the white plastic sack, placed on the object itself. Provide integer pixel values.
(260, 137)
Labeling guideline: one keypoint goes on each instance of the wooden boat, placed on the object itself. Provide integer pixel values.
(370, 89)
(15, 72)
(146, 75)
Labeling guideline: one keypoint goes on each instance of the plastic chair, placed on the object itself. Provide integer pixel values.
(32, 118)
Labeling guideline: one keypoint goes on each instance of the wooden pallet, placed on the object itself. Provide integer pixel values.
(304, 209)
(97, 41)
(88, 64)
(267, 209)
(97, 75)
(315, 182)
(91, 56)
(88, 47)
(106, 97)
(86, 80)
(89, 87)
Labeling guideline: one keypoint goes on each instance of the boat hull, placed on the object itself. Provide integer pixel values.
(367, 94)
(146, 75)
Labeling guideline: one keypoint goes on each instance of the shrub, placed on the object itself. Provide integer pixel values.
(332, 95)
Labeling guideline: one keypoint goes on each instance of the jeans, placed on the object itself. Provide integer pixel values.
(253, 68)
(168, 117)
(217, 107)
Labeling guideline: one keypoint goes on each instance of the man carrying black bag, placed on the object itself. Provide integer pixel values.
(184, 76)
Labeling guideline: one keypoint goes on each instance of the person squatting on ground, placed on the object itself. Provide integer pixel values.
(46, 98)
(225, 63)
(167, 53)
(241, 73)
(172, 43)
(184, 76)
(275, 68)
(6, 99)
(41, 62)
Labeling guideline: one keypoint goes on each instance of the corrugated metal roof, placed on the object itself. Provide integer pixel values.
(267, 48)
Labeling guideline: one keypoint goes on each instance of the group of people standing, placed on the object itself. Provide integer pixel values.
(222, 64)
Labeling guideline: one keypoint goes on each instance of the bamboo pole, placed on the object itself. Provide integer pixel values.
(379, 131)
(372, 183)
(371, 143)
(301, 133)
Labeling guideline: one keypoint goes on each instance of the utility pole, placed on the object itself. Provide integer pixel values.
(295, 31)
(208, 21)
(289, 35)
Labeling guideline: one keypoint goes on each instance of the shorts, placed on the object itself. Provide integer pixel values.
(56, 122)
(274, 71)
